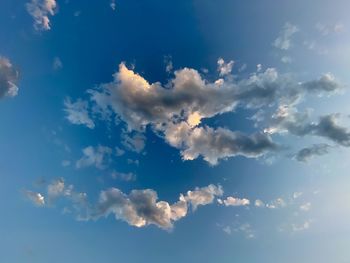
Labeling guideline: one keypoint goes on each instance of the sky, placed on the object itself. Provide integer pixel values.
(174, 131)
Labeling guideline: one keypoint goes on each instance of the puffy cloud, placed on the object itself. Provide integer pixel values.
(78, 113)
(290, 120)
(283, 41)
(175, 112)
(113, 5)
(203, 196)
(259, 203)
(141, 207)
(215, 144)
(234, 201)
(301, 227)
(123, 176)
(277, 203)
(135, 142)
(40, 10)
(8, 78)
(95, 156)
(37, 198)
(224, 68)
(307, 153)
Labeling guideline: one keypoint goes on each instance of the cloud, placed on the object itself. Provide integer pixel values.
(330, 28)
(233, 201)
(224, 68)
(37, 198)
(123, 176)
(95, 156)
(259, 203)
(277, 203)
(301, 227)
(305, 207)
(57, 63)
(139, 208)
(307, 153)
(203, 196)
(40, 10)
(113, 5)
(290, 120)
(135, 142)
(215, 144)
(8, 78)
(78, 113)
(283, 41)
(176, 112)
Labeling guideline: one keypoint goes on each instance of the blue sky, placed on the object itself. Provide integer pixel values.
(177, 131)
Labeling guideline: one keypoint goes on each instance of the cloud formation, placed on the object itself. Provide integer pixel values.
(283, 41)
(98, 156)
(234, 201)
(40, 10)
(139, 208)
(78, 113)
(177, 110)
(305, 154)
(8, 78)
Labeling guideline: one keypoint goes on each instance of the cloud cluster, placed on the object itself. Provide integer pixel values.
(40, 10)
(8, 78)
(176, 110)
(139, 208)
(234, 201)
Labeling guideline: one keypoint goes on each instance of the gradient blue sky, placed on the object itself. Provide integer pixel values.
(240, 107)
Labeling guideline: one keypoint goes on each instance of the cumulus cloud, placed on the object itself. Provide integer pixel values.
(78, 113)
(134, 142)
(224, 68)
(307, 153)
(176, 111)
(98, 156)
(37, 198)
(8, 78)
(283, 41)
(139, 208)
(204, 195)
(234, 201)
(290, 120)
(277, 203)
(40, 10)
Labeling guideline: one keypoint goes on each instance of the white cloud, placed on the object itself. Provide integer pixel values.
(326, 29)
(259, 203)
(223, 67)
(113, 5)
(37, 198)
(134, 142)
(98, 156)
(234, 201)
(176, 112)
(203, 196)
(305, 207)
(283, 41)
(277, 203)
(40, 10)
(8, 78)
(77, 113)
